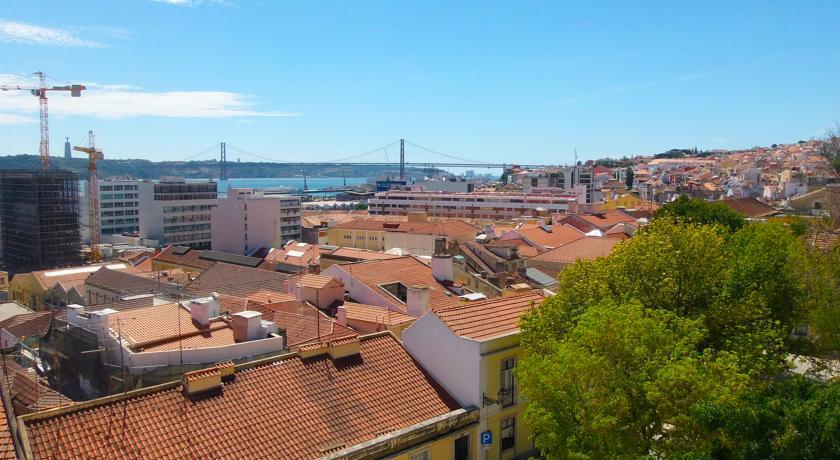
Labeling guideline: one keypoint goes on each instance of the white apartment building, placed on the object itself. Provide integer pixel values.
(248, 219)
(119, 206)
(477, 205)
(574, 180)
(176, 212)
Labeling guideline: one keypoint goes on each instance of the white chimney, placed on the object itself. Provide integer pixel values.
(442, 268)
(73, 311)
(341, 315)
(246, 325)
(202, 310)
(417, 300)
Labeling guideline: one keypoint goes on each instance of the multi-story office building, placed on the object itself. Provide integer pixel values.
(478, 205)
(248, 219)
(119, 206)
(574, 180)
(39, 219)
(176, 212)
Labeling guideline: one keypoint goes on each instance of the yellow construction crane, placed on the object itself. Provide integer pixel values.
(94, 154)
(40, 92)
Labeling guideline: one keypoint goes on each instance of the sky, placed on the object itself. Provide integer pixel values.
(509, 82)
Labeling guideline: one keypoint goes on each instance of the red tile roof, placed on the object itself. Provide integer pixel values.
(375, 314)
(406, 270)
(585, 248)
(7, 444)
(191, 258)
(167, 327)
(292, 408)
(448, 228)
(488, 319)
(750, 208)
(559, 235)
(28, 324)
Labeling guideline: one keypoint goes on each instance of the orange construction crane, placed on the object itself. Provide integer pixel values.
(94, 154)
(41, 92)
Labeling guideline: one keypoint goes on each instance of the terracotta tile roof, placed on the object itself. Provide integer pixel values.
(750, 208)
(314, 219)
(351, 254)
(29, 392)
(450, 227)
(291, 409)
(72, 275)
(559, 235)
(375, 314)
(28, 324)
(406, 270)
(239, 280)
(7, 444)
(266, 297)
(607, 219)
(167, 327)
(314, 281)
(294, 253)
(310, 327)
(824, 241)
(525, 249)
(585, 248)
(127, 284)
(486, 319)
(189, 258)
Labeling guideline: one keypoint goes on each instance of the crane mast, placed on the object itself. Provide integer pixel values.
(94, 154)
(41, 92)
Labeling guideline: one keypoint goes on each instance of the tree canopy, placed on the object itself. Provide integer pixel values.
(662, 347)
(695, 210)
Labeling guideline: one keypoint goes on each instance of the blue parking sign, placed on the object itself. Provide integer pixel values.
(486, 438)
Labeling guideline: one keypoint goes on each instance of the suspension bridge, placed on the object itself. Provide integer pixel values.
(370, 158)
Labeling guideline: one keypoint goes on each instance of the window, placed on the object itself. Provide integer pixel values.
(508, 433)
(507, 382)
(422, 455)
(462, 448)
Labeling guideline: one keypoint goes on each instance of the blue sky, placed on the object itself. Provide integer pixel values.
(500, 81)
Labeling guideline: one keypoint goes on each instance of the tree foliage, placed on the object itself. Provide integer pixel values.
(658, 348)
(628, 178)
(699, 211)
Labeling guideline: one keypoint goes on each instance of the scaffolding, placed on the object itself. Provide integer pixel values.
(39, 219)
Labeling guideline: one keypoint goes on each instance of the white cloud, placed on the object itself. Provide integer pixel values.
(110, 101)
(12, 119)
(31, 34)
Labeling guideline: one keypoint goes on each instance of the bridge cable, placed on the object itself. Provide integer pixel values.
(451, 157)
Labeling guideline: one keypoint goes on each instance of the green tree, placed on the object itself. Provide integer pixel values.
(628, 177)
(637, 351)
(699, 211)
(361, 207)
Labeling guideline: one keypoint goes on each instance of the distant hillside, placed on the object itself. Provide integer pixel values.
(145, 169)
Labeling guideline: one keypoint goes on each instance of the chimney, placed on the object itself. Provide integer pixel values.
(73, 311)
(203, 310)
(440, 245)
(341, 315)
(314, 268)
(442, 268)
(246, 325)
(417, 300)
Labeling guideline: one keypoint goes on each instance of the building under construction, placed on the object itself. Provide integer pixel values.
(39, 219)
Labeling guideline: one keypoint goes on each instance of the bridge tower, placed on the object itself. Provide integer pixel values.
(223, 162)
(402, 159)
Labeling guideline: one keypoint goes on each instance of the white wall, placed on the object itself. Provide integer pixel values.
(359, 292)
(452, 361)
(419, 245)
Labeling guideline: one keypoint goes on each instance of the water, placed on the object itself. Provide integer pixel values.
(294, 183)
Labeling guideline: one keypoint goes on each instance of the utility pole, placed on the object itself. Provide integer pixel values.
(402, 159)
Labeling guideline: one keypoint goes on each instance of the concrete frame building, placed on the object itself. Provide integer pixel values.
(248, 219)
(176, 212)
(484, 205)
(39, 219)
